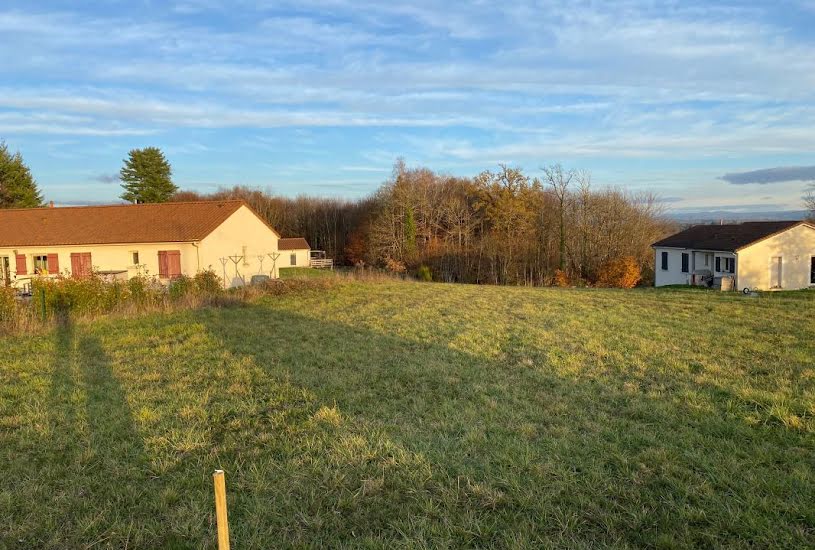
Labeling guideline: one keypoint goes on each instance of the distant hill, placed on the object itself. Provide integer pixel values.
(715, 216)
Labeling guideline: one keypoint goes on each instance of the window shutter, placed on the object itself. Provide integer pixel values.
(21, 267)
(81, 264)
(718, 263)
(53, 263)
(174, 263)
(163, 267)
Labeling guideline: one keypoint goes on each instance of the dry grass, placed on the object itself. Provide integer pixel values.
(419, 415)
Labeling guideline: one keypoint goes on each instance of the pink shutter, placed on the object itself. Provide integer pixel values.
(174, 263)
(76, 265)
(53, 263)
(21, 267)
(163, 266)
(87, 265)
(80, 264)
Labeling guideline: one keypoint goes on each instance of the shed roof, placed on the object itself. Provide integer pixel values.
(726, 238)
(293, 243)
(113, 224)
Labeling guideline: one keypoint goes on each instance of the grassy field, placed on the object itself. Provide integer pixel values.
(419, 415)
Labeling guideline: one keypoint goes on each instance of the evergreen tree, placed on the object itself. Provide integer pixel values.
(17, 186)
(146, 176)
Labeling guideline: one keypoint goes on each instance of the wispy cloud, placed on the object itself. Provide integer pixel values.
(772, 175)
(106, 178)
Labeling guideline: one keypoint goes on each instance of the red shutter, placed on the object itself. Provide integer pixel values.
(76, 264)
(53, 263)
(174, 263)
(21, 268)
(81, 264)
(163, 267)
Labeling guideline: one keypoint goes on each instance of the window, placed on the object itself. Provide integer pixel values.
(707, 260)
(294, 259)
(134, 256)
(718, 264)
(40, 264)
(730, 265)
(812, 270)
(685, 262)
(664, 261)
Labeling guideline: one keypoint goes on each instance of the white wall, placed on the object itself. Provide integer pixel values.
(673, 275)
(105, 257)
(796, 247)
(302, 257)
(242, 234)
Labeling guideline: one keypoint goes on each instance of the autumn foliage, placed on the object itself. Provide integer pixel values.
(561, 278)
(622, 272)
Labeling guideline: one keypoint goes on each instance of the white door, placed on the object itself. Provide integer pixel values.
(775, 272)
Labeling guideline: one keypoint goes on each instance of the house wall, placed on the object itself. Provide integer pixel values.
(242, 234)
(108, 257)
(796, 247)
(303, 257)
(674, 275)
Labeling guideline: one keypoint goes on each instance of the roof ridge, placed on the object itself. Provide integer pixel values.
(78, 206)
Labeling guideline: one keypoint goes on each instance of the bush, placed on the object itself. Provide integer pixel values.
(622, 272)
(561, 278)
(395, 266)
(424, 274)
(8, 304)
(180, 287)
(208, 282)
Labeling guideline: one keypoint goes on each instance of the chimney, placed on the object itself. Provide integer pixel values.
(51, 204)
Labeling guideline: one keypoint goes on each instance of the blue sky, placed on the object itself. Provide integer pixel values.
(320, 97)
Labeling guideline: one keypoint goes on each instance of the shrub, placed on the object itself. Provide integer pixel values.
(8, 304)
(208, 282)
(180, 287)
(424, 274)
(395, 266)
(619, 273)
(561, 278)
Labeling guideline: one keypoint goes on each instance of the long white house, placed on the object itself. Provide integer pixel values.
(164, 240)
(770, 255)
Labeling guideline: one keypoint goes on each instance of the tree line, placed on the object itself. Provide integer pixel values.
(502, 226)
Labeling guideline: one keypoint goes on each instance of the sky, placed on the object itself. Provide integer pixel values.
(709, 105)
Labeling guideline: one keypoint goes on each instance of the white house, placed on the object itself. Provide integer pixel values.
(119, 241)
(758, 255)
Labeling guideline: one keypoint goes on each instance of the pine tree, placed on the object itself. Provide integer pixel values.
(17, 186)
(146, 176)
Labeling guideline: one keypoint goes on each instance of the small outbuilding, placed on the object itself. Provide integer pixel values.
(767, 255)
(295, 252)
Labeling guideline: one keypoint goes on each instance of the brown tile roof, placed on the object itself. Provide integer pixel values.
(727, 238)
(121, 223)
(292, 243)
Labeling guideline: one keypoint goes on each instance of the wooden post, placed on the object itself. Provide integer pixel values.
(220, 510)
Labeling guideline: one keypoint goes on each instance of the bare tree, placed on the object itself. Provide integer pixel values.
(809, 202)
(559, 181)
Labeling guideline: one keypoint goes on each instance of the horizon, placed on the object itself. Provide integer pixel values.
(709, 106)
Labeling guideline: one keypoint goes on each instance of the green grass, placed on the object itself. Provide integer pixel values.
(304, 272)
(419, 415)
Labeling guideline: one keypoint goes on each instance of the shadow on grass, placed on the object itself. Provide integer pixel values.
(519, 454)
(336, 435)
